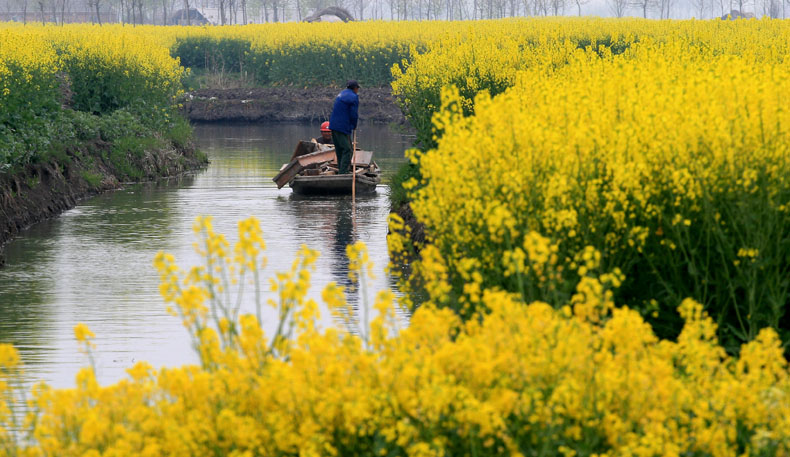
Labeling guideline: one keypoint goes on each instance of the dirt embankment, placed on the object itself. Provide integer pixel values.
(285, 104)
(416, 228)
(45, 190)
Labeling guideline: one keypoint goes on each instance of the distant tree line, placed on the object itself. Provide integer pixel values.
(665, 9)
(223, 12)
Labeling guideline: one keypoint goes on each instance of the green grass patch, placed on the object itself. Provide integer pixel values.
(398, 194)
(93, 179)
(199, 78)
(127, 153)
(179, 132)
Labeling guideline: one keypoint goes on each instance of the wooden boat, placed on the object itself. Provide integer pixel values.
(313, 171)
(335, 184)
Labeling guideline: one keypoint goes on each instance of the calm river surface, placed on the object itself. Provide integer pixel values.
(93, 264)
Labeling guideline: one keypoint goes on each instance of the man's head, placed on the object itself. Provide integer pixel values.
(353, 85)
(326, 133)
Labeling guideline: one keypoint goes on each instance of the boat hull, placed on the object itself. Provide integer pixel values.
(333, 184)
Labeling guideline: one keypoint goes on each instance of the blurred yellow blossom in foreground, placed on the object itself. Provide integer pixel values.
(522, 379)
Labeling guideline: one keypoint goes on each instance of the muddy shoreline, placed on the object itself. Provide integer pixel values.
(43, 191)
(285, 104)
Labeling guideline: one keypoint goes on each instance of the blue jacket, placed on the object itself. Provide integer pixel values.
(344, 113)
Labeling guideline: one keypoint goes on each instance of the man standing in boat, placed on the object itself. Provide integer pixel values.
(344, 121)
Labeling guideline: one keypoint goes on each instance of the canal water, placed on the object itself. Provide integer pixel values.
(93, 264)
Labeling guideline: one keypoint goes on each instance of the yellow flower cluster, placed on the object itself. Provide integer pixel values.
(472, 55)
(486, 55)
(23, 58)
(288, 53)
(587, 379)
(45, 71)
(670, 158)
(107, 68)
(28, 91)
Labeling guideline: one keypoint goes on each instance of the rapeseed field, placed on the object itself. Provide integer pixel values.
(605, 272)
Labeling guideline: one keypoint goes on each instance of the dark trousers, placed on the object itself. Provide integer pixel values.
(342, 151)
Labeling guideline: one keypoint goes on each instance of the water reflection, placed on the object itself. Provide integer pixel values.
(27, 326)
(93, 263)
(344, 236)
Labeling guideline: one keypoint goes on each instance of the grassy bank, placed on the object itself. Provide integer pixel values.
(81, 113)
(88, 165)
(60, 86)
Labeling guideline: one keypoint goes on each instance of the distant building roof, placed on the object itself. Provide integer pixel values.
(181, 17)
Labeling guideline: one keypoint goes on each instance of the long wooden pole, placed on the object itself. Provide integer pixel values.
(354, 185)
(354, 170)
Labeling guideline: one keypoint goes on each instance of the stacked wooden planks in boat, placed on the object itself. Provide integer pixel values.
(313, 170)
